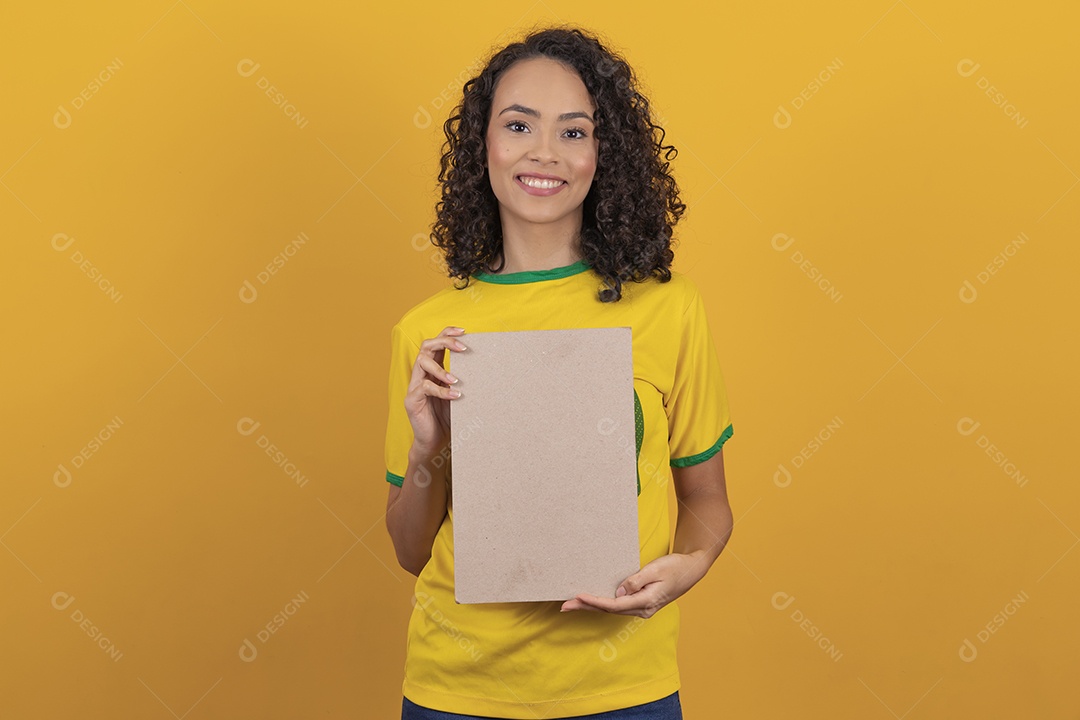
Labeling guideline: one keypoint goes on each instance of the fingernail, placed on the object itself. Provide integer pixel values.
(460, 346)
(455, 393)
(451, 378)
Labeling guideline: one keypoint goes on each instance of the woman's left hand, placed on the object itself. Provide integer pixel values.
(649, 589)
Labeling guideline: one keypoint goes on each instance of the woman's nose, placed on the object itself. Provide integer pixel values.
(543, 149)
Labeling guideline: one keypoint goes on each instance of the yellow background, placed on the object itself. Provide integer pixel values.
(858, 577)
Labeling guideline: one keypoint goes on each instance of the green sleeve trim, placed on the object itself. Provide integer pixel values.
(394, 479)
(705, 455)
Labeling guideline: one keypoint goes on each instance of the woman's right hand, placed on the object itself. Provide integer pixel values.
(428, 398)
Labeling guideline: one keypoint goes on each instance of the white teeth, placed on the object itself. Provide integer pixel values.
(539, 183)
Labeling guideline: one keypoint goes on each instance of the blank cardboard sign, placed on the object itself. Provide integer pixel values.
(544, 465)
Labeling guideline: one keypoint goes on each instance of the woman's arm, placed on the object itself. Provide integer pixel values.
(415, 511)
(704, 522)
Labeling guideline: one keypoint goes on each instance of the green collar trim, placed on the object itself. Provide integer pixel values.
(528, 276)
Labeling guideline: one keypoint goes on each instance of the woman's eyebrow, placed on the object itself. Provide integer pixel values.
(535, 113)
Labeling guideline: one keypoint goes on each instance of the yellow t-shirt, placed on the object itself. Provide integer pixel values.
(528, 660)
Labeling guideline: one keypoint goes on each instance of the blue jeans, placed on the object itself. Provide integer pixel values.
(667, 708)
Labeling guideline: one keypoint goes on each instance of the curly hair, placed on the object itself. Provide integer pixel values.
(633, 204)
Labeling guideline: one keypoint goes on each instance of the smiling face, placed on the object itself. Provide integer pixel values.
(541, 147)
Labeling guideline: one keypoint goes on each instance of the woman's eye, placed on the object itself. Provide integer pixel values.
(517, 126)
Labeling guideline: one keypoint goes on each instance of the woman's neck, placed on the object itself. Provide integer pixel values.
(537, 248)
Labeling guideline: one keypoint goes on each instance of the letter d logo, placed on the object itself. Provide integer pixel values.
(782, 118)
(62, 118)
(248, 293)
(781, 600)
(61, 242)
(967, 67)
(248, 651)
(246, 426)
(968, 293)
(782, 477)
(784, 238)
(62, 477)
(966, 426)
(247, 67)
(61, 600)
(422, 118)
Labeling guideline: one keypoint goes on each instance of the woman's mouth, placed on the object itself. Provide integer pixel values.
(539, 186)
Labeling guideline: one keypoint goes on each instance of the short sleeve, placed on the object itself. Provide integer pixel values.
(399, 432)
(697, 406)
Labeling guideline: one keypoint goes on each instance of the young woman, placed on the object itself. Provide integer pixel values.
(557, 212)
